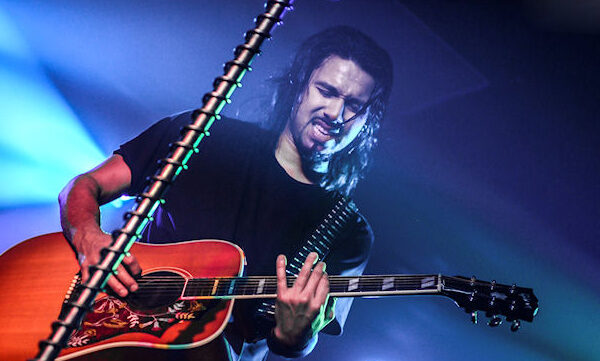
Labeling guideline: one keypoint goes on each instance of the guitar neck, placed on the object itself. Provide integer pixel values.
(340, 286)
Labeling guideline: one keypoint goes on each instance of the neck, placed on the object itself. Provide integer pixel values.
(289, 158)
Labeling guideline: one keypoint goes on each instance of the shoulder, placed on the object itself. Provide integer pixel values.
(226, 125)
(361, 234)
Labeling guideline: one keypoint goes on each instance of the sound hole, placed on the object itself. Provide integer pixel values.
(156, 289)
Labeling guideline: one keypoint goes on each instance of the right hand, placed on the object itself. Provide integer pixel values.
(88, 245)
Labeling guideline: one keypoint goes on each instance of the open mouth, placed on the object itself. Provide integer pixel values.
(321, 131)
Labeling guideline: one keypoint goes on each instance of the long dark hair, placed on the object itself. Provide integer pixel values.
(347, 166)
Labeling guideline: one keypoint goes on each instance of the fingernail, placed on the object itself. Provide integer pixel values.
(134, 287)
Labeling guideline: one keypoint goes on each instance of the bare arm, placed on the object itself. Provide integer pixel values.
(80, 218)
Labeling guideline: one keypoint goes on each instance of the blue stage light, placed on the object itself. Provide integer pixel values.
(42, 143)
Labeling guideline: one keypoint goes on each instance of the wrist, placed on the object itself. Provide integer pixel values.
(285, 347)
(83, 237)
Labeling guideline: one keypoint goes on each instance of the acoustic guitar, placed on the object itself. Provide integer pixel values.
(186, 295)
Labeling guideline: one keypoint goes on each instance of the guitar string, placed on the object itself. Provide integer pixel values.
(256, 283)
(250, 290)
(266, 285)
(248, 285)
(259, 278)
(331, 278)
(269, 288)
(271, 281)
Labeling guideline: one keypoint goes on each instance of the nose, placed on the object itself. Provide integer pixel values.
(334, 112)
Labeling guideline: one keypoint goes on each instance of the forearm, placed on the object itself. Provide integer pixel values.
(80, 199)
(79, 204)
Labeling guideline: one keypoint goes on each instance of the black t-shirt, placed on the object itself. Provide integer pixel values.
(235, 190)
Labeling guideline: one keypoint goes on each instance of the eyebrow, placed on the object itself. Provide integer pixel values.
(335, 92)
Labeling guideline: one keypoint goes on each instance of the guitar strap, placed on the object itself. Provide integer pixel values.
(320, 240)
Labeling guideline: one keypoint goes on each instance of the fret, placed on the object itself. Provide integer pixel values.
(319, 241)
(214, 288)
(198, 287)
(353, 284)
(335, 228)
(385, 284)
(261, 285)
(319, 238)
(323, 236)
(323, 244)
(319, 250)
(231, 287)
(388, 283)
(427, 282)
(292, 265)
(255, 287)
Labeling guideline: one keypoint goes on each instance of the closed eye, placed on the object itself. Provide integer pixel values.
(325, 92)
(354, 107)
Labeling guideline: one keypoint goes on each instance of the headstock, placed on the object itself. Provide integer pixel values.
(515, 303)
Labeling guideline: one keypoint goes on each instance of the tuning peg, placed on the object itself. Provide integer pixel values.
(495, 321)
(516, 324)
(474, 317)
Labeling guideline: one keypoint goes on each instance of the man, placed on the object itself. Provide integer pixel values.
(263, 190)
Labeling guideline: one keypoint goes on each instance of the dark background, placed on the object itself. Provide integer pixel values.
(487, 164)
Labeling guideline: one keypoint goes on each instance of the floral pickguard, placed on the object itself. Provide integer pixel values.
(111, 316)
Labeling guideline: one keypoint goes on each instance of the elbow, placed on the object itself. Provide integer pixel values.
(63, 195)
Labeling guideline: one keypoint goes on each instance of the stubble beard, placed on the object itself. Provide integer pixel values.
(313, 158)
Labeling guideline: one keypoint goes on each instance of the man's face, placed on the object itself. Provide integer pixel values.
(336, 91)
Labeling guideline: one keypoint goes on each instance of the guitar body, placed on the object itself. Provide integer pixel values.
(185, 300)
(36, 275)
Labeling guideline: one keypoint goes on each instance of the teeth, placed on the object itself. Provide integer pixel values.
(321, 129)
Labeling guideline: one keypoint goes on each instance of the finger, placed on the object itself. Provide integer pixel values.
(85, 264)
(305, 271)
(85, 273)
(114, 284)
(132, 265)
(322, 291)
(281, 278)
(126, 279)
(314, 279)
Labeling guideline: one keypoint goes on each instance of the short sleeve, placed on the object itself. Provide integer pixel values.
(141, 154)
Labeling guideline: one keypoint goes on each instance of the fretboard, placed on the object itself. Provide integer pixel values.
(340, 286)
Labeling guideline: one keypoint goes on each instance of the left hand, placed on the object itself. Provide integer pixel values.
(301, 310)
